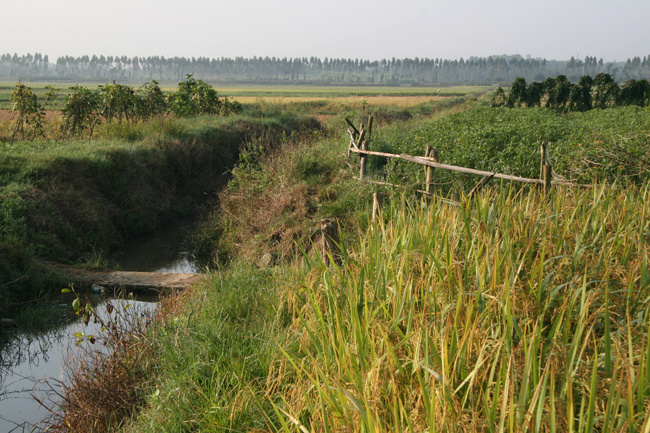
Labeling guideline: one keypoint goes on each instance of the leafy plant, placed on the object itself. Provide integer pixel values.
(196, 97)
(151, 101)
(118, 102)
(31, 114)
(82, 112)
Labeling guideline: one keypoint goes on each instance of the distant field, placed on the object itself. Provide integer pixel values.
(372, 95)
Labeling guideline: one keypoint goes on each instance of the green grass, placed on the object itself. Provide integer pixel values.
(262, 91)
(511, 311)
(61, 200)
(507, 312)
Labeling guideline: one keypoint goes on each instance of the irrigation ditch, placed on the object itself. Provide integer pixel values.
(127, 203)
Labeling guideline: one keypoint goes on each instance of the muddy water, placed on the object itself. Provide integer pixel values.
(32, 363)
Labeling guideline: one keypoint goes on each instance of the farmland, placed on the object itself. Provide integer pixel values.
(509, 311)
(512, 310)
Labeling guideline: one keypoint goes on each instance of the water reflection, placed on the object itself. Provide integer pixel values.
(32, 364)
(168, 250)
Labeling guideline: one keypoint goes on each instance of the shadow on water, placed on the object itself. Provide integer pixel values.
(168, 250)
(33, 362)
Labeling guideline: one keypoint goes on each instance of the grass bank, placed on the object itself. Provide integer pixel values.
(511, 311)
(74, 200)
(507, 312)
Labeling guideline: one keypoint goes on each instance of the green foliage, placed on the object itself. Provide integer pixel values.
(505, 311)
(81, 113)
(606, 91)
(194, 98)
(31, 115)
(517, 94)
(118, 101)
(564, 96)
(150, 101)
(499, 98)
(580, 95)
(62, 200)
(634, 92)
(598, 144)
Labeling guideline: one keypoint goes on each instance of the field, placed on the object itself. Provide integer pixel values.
(509, 311)
(374, 95)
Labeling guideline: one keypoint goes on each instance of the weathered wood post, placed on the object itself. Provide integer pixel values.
(547, 178)
(331, 241)
(364, 158)
(428, 171)
(543, 163)
(377, 204)
(363, 145)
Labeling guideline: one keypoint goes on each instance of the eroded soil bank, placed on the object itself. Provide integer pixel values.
(76, 201)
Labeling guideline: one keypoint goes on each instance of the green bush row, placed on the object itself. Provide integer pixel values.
(84, 109)
(559, 93)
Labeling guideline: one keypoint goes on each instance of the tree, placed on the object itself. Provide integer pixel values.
(634, 92)
(82, 112)
(150, 101)
(30, 112)
(118, 102)
(517, 94)
(580, 95)
(606, 90)
(499, 98)
(534, 94)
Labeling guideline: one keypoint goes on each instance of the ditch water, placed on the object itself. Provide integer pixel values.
(32, 362)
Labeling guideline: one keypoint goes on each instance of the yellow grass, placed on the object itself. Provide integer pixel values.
(373, 100)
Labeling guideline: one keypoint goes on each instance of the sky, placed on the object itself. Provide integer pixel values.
(363, 29)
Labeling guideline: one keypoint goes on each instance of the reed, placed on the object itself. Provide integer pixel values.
(507, 312)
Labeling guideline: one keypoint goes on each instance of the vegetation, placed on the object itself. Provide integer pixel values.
(84, 109)
(508, 311)
(476, 70)
(63, 200)
(564, 96)
(599, 145)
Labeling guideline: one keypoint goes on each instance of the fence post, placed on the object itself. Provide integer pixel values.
(543, 163)
(364, 159)
(428, 171)
(547, 178)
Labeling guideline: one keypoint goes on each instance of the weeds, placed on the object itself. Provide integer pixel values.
(504, 313)
(104, 384)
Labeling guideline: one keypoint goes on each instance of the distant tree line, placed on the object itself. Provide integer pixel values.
(559, 93)
(475, 70)
(84, 109)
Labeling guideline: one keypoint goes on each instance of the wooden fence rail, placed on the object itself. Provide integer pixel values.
(359, 142)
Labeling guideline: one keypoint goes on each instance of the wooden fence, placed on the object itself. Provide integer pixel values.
(359, 144)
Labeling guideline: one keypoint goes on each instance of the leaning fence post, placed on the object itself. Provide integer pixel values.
(364, 160)
(547, 178)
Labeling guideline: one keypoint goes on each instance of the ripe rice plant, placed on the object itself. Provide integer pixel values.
(507, 312)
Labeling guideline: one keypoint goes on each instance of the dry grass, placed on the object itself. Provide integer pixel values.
(337, 101)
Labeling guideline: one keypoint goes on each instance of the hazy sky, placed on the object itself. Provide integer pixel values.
(553, 29)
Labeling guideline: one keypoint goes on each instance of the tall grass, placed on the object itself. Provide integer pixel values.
(509, 312)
